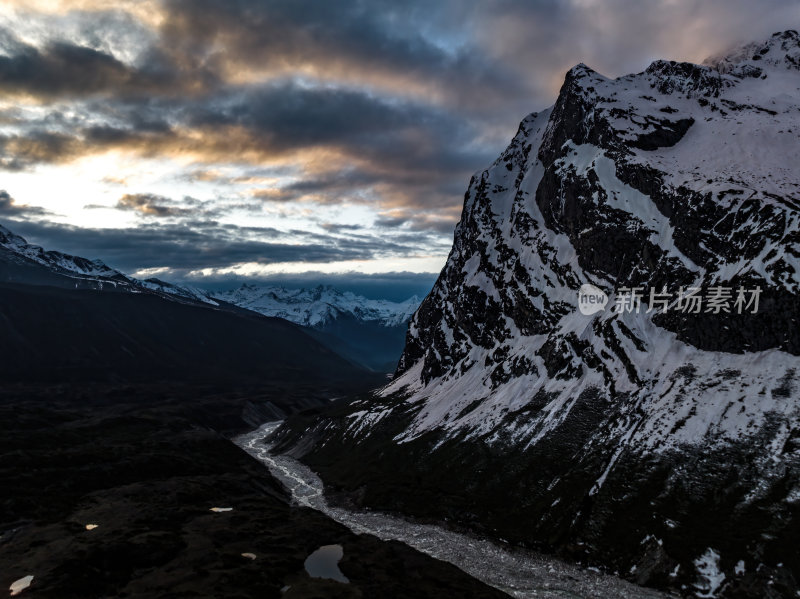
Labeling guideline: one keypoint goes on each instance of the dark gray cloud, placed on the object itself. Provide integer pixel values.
(340, 228)
(398, 134)
(64, 68)
(400, 143)
(379, 103)
(191, 245)
(383, 42)
(180, 248)
(149, 204)
(6, 201)
(60, 68)
(19, 152)
(391, 222)
(10, 207)
(394, 286)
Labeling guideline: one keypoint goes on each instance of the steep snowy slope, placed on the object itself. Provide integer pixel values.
(661, 442)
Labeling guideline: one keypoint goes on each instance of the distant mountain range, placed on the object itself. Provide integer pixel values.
(64, 318)
(319, 306)
(369, 333)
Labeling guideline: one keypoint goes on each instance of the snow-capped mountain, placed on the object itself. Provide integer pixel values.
(54, 331)
(370, 332)
(26, 263)
(15, 251)
(318, 306)
(660, 443)
(367, 332)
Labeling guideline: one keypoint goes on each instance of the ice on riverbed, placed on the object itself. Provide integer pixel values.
(20, 585)
(521, 574)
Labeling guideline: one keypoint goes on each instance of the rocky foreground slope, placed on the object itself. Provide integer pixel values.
(658, 437)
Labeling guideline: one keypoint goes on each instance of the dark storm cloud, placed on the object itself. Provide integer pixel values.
(10, 207)
(18, 152)
(63, 68)
(281, 118)
(270, 121)
(149, 204)
(395, 152)
(60, 68)
(394, 286)
(391, 222)
(189, 246)
(380, 41)
(383, 103)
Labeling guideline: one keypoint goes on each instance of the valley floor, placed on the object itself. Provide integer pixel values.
(146, 465)
(518, 573)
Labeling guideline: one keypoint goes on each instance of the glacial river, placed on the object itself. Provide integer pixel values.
(519, 573)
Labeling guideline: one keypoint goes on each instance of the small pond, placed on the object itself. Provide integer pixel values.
(324, 563)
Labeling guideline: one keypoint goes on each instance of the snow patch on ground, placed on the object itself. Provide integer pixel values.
(710, 576)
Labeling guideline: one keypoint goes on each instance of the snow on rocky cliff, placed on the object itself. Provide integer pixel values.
(680, 176)
(655, 434)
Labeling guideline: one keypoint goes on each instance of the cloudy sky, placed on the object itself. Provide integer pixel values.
(212, 140)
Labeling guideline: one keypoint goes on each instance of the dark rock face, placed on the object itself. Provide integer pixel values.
(659, 444)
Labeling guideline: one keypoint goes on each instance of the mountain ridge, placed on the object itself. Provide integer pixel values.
(70, 319)
(366, 332)
(636, 441)
(317, 306)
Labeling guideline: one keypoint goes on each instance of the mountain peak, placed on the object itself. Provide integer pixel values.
(780, 50)
(678, 178)
(9, 238)
(580, 70)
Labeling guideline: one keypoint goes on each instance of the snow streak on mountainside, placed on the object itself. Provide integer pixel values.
(318, 306)
(678, 424)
